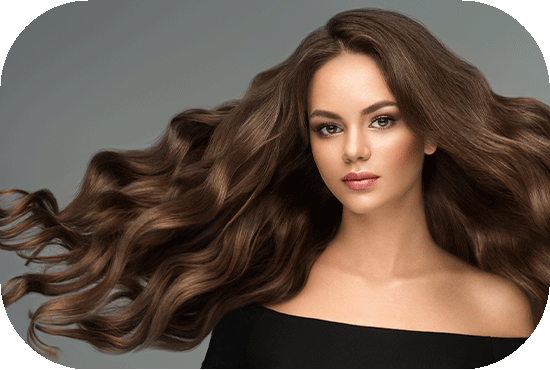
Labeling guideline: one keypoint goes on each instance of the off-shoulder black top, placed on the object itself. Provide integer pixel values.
(254, 336)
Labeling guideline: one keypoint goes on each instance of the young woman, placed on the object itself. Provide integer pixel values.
(369, 202)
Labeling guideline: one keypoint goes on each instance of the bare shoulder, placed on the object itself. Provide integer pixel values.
(491, 303)
(502, 307)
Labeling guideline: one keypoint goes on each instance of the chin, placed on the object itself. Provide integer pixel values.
(360, 208)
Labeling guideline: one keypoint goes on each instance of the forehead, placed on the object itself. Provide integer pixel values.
(347, 78)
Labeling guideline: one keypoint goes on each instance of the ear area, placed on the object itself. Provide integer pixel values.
(429, 149)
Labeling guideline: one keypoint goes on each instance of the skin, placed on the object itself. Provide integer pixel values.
(383, 268)
(347, 86)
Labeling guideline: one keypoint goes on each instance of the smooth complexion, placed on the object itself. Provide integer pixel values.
(356, 126)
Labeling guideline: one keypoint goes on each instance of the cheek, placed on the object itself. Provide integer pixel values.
(406, 152)
(324, 159)
(320, 160)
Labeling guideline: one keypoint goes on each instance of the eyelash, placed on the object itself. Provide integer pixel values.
(390, 120)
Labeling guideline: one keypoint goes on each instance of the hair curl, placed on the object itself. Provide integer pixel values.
(228, 208)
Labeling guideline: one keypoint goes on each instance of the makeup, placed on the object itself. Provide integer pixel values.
(359, 180)
(360, 185)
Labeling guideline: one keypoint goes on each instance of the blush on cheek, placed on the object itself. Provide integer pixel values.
(402, 154)
(409, 153)
(407, 156)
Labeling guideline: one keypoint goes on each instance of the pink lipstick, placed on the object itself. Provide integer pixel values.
(359, 180)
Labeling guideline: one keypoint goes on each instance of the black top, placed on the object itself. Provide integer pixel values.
(254, 336)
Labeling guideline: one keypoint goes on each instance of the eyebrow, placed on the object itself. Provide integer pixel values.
(370, 109)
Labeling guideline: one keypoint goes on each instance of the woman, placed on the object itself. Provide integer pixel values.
(255, 208)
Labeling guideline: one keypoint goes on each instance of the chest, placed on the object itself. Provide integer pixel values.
(437, 305)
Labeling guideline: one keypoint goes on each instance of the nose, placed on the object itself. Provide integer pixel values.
(356, 146)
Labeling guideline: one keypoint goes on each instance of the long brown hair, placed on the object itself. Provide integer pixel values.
(227, 208)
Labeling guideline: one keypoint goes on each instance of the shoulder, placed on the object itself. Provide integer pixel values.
(494, 305)
(239, 318)
(503, 309)
(230, 338)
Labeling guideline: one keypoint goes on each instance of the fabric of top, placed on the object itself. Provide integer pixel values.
(254, 336)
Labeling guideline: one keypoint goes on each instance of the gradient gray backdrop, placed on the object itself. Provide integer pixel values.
(92, 75)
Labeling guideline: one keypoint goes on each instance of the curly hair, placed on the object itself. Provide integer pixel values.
(227, 207)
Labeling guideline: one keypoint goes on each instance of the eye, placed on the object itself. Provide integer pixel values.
(382, 122)
(328, 129)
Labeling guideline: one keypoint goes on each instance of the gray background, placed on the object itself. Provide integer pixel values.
(92, 75)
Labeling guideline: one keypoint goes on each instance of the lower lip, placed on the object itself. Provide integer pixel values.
(362, 184)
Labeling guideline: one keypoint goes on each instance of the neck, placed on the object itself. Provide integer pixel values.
(385, 243)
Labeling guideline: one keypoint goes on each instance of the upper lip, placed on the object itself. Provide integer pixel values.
(357, 176)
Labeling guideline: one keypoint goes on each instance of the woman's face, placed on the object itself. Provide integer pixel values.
(357, 134)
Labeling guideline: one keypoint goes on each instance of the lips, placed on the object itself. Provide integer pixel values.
(359, 176)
